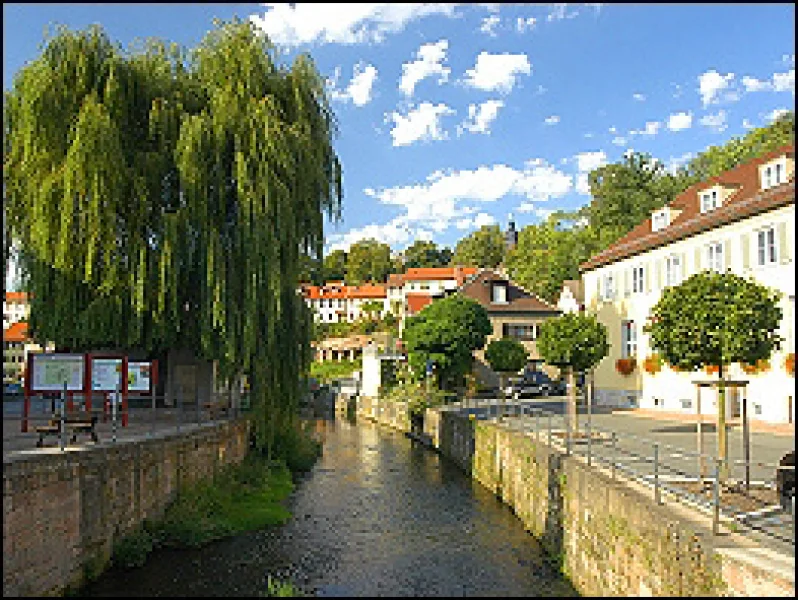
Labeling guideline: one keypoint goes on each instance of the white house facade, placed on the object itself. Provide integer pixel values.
(742, 221)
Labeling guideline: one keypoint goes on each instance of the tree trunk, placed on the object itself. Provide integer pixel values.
(723, 448)
(573, 418)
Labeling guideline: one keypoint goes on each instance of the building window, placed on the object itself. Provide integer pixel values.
(628, 339)
(499, 293)
(766, 246)
(673, 270)
(715, 257)
(709, 201)
(773, 174)
(638, 279)
(608, 287)
(660, 220)
(527, 333)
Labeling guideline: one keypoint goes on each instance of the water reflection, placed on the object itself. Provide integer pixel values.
(378, 515)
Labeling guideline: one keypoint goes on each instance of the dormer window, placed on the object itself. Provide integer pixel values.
(498, 293)
(660, 220)
(773, 173)
(710, 200)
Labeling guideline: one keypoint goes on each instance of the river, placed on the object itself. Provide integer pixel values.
(378, 515)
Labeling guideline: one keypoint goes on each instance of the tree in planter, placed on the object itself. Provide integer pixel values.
(506, 356)
(712, 320)
(446, 332)
(575, 342)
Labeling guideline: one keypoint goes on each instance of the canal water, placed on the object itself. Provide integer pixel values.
(378, 515)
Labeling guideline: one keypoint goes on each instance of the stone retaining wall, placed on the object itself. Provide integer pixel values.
(63, 511)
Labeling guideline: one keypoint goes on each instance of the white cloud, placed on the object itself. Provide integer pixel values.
(497, 72)
(613, 129)
(781, 82)
(675, 163)
(523, 25)
(716, 122)
(292, 24)
(619, 140)
(775, 114)
(421, 124)
(360, 86)
(481, 116)
(541, 181)
(587, 135)
(489, 24)
(558, 12)
(715, 88)
(552, 120)
(483, 219)
(747, 124)
(788, 59)
(679, 121)
(652, 127)
(678, 92)
(429, 62)
(639, 97)
(585, 163)
(540, 90)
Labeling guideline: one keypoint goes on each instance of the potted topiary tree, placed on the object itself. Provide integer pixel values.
(505, 356)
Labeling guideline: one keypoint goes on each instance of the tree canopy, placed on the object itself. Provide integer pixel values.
(368, 260)
(482, 248)
(164, 197)
(334, 266)
(446, 332)
(426, 254)
(506, 355)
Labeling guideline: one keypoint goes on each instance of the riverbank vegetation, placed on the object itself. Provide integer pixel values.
(327, 371)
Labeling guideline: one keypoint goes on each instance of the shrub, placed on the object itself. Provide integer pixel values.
(131, 551)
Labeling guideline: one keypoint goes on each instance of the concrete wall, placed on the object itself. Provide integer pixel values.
(62, 511)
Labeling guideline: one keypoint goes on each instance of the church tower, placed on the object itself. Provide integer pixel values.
(511, 236)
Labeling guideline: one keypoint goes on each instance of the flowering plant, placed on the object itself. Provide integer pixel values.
(789, 363)
(625, 366)
(652, 364)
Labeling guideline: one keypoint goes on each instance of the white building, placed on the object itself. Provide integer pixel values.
(572, 296)
(15, 308)
(335, 302)
(742, 221)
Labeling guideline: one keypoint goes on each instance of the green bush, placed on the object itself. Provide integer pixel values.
(416, 394)
(131, 551)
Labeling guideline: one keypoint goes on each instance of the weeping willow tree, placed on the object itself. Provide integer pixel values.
(166, 198)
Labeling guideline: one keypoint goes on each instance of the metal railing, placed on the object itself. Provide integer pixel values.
(742, 497)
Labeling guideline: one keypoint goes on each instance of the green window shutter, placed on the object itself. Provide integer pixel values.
(745, 240)
(785, 254)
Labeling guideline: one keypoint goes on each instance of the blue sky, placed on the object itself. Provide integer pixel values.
(454, 116)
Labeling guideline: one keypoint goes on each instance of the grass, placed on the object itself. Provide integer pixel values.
(332, 369)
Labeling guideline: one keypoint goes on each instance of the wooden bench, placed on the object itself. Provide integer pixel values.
(75, 423)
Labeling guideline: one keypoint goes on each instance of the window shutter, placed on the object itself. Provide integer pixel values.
(660, 274)
(785, 255)
(745, 240)
(627, 282)
(726, 255)
(647, 275)
(698, 263)
(682, 267)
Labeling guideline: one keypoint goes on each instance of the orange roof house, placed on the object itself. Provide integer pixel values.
(17, 332)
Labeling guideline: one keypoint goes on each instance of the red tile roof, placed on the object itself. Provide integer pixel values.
(17, 332)
(415, 302)
(747, 200)
(16, 296)
(439, 273)
(395, 280)
(314, 292)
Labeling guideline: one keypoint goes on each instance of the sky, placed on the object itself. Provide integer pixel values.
(454, 116)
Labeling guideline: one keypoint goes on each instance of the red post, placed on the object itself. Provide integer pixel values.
(123, 374)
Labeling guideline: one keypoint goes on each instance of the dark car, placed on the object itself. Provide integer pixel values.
(533, 384)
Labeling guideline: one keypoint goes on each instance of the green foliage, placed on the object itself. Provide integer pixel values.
(334, 267)
(132, 550)
(329, 370)
(159, 206)
(426, 254)
(371, 309)
(715, 319)
(296, 446)
(368, 260)
(281, 589)
(549, 253)
(446, 332)
(483, 248)
(575, 340)
(506, 355)
(419, 395)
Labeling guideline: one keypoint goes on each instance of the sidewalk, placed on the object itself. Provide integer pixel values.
(756, 425)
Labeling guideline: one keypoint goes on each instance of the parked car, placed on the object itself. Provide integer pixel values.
(533, 384)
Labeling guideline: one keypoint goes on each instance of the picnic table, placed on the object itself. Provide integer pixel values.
(76, 422)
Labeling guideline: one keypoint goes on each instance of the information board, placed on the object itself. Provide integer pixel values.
(51, 371)
(139, 376)
(106, 374)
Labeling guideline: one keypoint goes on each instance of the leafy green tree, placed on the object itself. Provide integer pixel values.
(547, 254)
(334, 268)
(424, 253)
(576, 342)
(715, 319)
(446, 332)
(482, 248)
(368, 260)
(506, 356)
(371, 309)
(159, 206)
